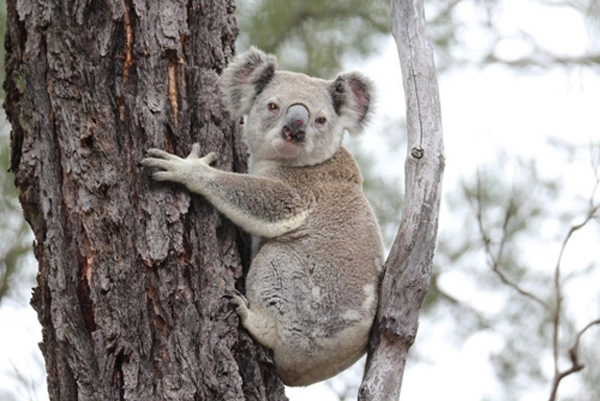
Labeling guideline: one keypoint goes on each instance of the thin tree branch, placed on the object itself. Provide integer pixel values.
(494, 257)
(408, 268)
(576, 366)
(26, 381)
(558, 287)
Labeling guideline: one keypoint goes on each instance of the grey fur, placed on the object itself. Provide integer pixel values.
(312, 286)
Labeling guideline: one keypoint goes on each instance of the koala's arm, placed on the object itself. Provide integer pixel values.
(262, 206)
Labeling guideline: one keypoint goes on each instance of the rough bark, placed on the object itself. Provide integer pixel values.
(408, 267)
(132, 273)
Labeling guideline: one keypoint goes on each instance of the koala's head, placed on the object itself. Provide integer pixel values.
(292, 118)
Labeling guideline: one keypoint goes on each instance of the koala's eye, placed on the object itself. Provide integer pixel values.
(321, 120)
(272, 106)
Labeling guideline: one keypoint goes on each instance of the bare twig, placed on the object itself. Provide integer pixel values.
(494, 257)
(576, 366)
(556, 315)
(26, 381)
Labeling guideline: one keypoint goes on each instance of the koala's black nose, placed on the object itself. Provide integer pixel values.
(295, 123)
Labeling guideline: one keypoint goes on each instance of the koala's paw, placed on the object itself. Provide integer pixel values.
(174, 168)
(240, 303)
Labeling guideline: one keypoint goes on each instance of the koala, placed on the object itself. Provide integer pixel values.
(312, 287)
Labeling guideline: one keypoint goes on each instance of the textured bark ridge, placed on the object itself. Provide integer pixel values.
(132, 273)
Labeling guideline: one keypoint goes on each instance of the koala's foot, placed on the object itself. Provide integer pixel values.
(240, 303)
(262, 326)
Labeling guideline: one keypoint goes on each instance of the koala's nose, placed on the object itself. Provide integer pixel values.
(295, 124)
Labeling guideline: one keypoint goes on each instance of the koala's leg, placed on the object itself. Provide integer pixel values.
(262, 327)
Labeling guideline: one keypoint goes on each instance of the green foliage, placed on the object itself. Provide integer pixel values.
(313, 36)
(452, 34)
(16, 244)
(507, 244)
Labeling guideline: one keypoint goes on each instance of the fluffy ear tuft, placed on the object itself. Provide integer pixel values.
(245, 78)
(351, 94)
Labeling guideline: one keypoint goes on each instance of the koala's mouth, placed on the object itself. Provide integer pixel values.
(293, 135)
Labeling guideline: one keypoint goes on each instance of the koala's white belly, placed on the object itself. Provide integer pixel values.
(322, 322)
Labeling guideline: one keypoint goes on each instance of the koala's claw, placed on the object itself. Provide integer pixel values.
(239, 302)
(160, 154)
(172, 167)
(156, 158)
(163, 176)
(209, 158)
(195, 153)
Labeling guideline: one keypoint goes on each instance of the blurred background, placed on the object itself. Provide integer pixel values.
(520, 91)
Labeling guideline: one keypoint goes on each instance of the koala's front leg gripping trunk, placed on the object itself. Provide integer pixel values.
(262, 206)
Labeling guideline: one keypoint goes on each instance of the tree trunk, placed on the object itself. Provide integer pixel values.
(408, 267)
(132, 273)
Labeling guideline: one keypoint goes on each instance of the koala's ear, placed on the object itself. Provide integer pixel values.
(352, 98)
(245, 78)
